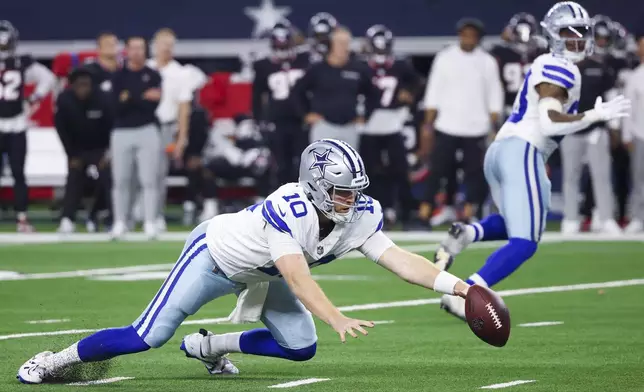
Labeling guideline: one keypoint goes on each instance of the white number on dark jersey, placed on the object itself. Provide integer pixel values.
(10, 85)
(281, 82)
(388, 86)
(513, 74)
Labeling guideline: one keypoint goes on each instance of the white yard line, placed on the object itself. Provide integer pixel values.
(113, 273)
(159, 271)
(89, 272)
(378, 322)
(503, 293)
(50, 321)
(103, 381)
(382, 305)
(52, 238)
(507, 384)
(219, 320)
(299, 382)
(541, 324)
(52, 333)
(160, 275)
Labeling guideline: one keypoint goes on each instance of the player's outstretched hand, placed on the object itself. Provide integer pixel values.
(617, 107)
(344, 325)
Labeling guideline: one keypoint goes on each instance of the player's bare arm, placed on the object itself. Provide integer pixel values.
(297, 275)
(418, 270)
(548, 90)
(427, 133)
(554, 122)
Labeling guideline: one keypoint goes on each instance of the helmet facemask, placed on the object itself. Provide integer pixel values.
(574, 43)
(343, 204)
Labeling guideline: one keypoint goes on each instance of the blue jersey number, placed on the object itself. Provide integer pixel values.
(519, 111)
(252, 208)
(298, 207)
(365, 204)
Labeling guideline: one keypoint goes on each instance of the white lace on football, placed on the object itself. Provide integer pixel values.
(494, 315)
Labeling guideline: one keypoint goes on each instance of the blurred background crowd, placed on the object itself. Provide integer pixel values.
(149, 129)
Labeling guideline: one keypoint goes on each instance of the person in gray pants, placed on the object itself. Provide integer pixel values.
(135, 143)
(595, 148)
(593, 143)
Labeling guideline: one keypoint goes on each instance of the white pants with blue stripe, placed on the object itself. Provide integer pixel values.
(516, 173)
(192, 283)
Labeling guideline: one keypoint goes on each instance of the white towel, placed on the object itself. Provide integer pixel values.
(250, 304)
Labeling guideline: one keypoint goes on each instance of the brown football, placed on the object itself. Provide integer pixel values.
(487, 316)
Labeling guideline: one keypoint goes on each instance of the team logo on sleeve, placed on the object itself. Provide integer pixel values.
(322, 161)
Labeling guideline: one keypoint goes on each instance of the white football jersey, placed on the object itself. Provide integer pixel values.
(245, 244)
(524, 120)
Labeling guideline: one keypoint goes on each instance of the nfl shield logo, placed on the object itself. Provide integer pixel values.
(320, 250)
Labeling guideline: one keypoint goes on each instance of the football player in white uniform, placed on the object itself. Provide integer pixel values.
(264, 254)
(545, 110)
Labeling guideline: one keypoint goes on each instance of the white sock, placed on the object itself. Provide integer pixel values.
(476, 278)
(62, 359)
(474, 232)
(225, 343)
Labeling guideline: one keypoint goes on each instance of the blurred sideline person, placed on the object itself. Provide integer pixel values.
(102, 68)
(515, 55)
(191, 164)
(321, 26)
(17, 71)
(135, 143)
(273, 106)
(107, 61)
(84, 119)
(634, 140)
(242, 152)
(381, 144)
(592, 144)
(463, 101)
(622, 60)
(173, 111)
(193, 158)
(327, 95)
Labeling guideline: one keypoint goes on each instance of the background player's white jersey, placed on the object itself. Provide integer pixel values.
(245, 244)
(524, 120)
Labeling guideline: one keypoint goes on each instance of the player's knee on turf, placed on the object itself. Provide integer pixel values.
(302, 354)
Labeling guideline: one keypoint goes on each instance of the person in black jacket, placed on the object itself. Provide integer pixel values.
(326, 97)
(83, 120)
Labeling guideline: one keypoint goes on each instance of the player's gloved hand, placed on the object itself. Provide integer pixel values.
(344, 325)
(617, 107)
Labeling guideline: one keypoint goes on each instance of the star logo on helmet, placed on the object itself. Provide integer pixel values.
(322, 161)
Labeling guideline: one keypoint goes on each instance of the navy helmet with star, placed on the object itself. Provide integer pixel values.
(321, 161)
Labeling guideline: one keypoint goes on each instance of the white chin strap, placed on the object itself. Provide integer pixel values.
(575, 57)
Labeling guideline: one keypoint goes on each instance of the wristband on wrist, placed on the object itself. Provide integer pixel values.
(445, 283)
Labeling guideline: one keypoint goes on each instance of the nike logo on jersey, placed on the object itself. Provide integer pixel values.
(281, 212)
